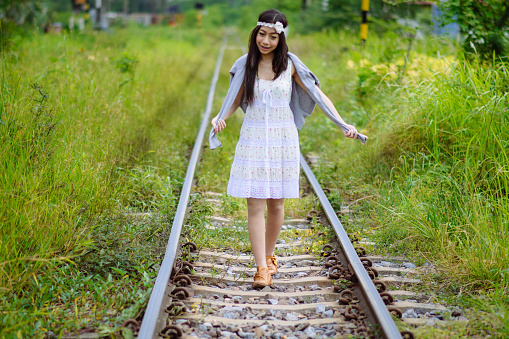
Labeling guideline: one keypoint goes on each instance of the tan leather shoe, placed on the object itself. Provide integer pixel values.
(262, 277)
(272, 264)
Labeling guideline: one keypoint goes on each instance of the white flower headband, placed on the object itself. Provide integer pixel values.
(278, 26)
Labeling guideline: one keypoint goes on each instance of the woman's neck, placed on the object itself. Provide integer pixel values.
(267, 58)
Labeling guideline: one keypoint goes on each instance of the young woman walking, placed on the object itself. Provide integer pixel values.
(276, 92)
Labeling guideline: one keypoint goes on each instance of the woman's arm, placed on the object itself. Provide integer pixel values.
(352, 133)
(221, 124)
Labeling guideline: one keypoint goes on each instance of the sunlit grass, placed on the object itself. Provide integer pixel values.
(432, 181)
(94, 130)
(450, 180)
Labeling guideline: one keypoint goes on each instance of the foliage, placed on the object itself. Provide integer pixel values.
(62, 5)
(437, 156)
(126, 63)
(94, 138)
(17, 18)
(95, 131)
(452, 172)
(346, 15)
(432, 181)
(67, 300)
(484, 24)
(21, 11)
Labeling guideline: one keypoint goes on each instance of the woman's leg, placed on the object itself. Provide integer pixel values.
(275, 217)
(256, 228)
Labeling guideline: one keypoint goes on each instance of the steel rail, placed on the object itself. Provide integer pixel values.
(148, 325)
(372, 299)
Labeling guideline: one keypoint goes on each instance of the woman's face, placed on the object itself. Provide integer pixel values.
(267, 40)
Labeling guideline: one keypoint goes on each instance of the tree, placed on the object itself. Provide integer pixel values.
(21, 11)
(483, 23)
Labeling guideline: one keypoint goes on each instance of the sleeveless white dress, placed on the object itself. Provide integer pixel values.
(266, 163)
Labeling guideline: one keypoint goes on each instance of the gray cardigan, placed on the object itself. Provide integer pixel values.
(302, 104)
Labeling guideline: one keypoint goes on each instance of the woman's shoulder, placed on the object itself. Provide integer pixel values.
(240, 63)
(295, 59)
(290, 66)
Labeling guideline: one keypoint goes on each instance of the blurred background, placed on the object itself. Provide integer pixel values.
(482, 22)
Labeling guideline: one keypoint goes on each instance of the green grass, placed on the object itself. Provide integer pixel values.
(451, 175)
(95, 129)
(432, 181)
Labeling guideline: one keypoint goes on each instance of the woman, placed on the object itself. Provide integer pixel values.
(276, 91)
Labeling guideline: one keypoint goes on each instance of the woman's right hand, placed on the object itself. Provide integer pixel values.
(218, 125)
(352, 132)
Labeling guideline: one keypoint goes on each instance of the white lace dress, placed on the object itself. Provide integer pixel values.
(266, 164)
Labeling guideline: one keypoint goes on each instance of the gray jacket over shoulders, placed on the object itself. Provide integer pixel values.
(302, 103)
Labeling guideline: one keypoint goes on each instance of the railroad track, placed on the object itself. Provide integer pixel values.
(203, 293)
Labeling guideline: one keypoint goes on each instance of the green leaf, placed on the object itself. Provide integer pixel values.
(127, 333)
(119, 271)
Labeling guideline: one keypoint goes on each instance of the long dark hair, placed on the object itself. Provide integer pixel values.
(280, 61)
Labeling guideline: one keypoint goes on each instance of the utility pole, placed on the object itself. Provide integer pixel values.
(101, 19)
(98, 5)
(364, 24)
(126, 11)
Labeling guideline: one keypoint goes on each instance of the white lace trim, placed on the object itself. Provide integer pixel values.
(287, 163)
(268, 143)
(272, 124)
(262, 189)
(273, 103)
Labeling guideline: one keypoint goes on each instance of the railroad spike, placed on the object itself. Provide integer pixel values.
(395, 312)
(380, 286)
(387, 298)
(193, 248)
(361, 251)
(171, 331)
(335, 261)
(182, 280)
(326, 250)
(354, 312)
(176, 308)
(181, 293)
(132, 324)
(407, 335)
(187, 268)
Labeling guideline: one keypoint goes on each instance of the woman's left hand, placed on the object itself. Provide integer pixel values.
(352, 132)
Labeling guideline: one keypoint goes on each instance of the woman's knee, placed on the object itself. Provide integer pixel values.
(255, 206)
(276, 205)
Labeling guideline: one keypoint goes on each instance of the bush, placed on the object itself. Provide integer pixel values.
(483, 23)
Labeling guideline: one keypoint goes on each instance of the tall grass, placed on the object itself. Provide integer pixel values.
(452, 179)
(432, 181)
(92, 126)
(436, 165)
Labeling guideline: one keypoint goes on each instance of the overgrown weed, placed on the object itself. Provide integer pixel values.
(92, 161)
(434, 169)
